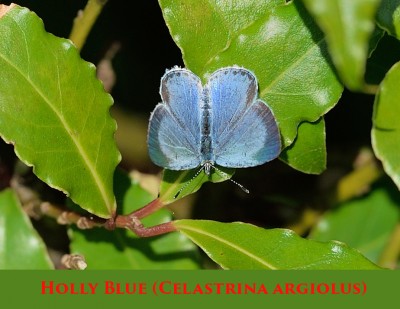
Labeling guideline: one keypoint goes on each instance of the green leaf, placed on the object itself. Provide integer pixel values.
(121, 249)
(386, 124)
(388, 17)
(56, 112)
(372, 219)
(308, 152)
(348, 26)
(279, 43)
(203, 29)
(20, 245)
(245, 246)
(176, 184)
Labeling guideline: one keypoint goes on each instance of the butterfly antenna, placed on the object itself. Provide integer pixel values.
(189, 182)
(221, 173)
(226, 176)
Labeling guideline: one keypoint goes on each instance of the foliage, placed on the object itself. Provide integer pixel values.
(55, 112)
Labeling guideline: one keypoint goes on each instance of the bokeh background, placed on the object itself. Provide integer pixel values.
(132, 35)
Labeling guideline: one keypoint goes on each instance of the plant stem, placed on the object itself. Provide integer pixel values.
(84, 21)
(390, 255)
(131, 221)
(358, 181)
(147, 210)
(69, 217)
(135, 225)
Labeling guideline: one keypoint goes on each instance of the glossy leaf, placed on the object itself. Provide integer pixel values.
(372, 219)
(20, 245)
(56, 112)
(308, 152)
(388, 17)
(121, 249)
(203, 29)
(176, 184)
(386, 124)
(245, 246)
(279, 43)
(348, 26)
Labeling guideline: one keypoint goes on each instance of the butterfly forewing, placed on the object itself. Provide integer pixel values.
(230, 91)
(174, 129)
(244, 130)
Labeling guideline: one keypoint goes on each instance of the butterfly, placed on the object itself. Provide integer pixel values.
(220, 123)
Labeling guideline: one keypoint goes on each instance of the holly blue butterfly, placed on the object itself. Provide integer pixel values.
(221, 123)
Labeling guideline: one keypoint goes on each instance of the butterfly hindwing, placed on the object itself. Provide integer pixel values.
(253, 141)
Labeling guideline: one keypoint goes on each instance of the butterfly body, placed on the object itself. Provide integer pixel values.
(221, 123)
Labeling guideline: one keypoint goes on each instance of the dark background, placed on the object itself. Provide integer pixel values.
(279, 194)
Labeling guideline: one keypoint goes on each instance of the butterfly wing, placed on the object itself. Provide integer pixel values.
(244, 131)
(174, 128)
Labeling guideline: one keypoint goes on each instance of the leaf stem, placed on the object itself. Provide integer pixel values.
(133, 223)
(147, 210)
(84, 22)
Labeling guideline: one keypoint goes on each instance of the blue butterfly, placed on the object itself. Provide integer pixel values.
(221, 123)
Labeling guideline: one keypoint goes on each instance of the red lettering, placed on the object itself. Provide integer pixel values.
(290, 288)
(109, 287)
(302, 288)
(320, 288)
(130, 288)
(93, 287)
(278, 289)
(198, 289)
(343, 289)
(357, 288)
(49, 287)
(262, 289)
(142, 288)
(218, 285)
(208, 288)
(334, 291)
(249, 288)
(73, 289)
(61, 288)
(118, 288)
(161, 287)
(177, 288)
(230, 288)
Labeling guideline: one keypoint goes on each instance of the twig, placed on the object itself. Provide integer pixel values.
(130, 221)
(359, 180)
(74, 261)
(135, 225)
(84, 22)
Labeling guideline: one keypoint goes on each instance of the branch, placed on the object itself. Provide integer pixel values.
(36, 208)
(131, 221)
(84, 22)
